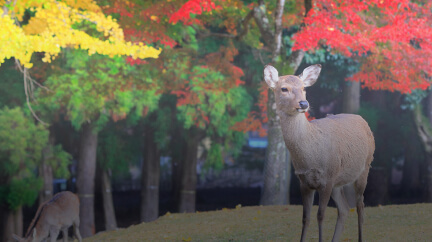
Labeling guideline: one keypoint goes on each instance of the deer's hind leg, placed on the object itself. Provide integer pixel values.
(65, 234)
(76, 224)
(343, 210)
(360, 186)
(53, 233)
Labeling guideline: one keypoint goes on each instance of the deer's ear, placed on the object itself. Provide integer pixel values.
(271, 76)
(310, 75)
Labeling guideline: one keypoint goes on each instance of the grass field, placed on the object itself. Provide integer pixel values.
(279, 223)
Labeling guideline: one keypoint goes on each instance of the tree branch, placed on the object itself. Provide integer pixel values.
(245, 25)
(263, 23)
(278, 28)
(239, 36)
(423, 127)
(296, 57)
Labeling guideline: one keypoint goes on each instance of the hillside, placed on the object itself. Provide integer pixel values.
(279, 223)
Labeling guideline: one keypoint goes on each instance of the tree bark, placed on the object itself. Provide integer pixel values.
(109, 212)
(187, 193)
(150, 177)
(85, 181)
(178, 150)
(277, 175)
(46, 192)
(45, 171)
(351, 97)
(411, 169)
(351, 104)
(14, 225)
(424, 130)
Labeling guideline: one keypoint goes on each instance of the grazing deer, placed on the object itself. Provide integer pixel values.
(57, 214)
(327, 154)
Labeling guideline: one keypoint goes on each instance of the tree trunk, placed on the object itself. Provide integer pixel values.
(376, 192)
(178, 150)
(424, 130)
(150, 179)
(428, 178)
(351, 97)
(187, 193)
(351, 104)
(14, 225)
(85, 181)
(175, 183)
(45, 171)
(109, 212)
(276, 176)
(411, 169)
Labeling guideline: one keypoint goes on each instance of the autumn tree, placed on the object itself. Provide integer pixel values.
(199, 74)
(118, 148)
(267, 20)
(53, 25)
(47, 27)
(91, 90)
(390, 39)
(22, 142)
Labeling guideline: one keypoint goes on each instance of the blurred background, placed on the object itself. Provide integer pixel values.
(149, 107)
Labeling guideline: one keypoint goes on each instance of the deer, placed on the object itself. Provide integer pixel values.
(58, 213)
(328, 154)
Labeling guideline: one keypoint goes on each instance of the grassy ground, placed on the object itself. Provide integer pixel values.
(279, 223)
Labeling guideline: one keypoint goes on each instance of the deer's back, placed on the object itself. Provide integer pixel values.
(61, 210)
(351, 142)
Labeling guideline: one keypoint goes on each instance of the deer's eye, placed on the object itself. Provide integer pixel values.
(284, 89)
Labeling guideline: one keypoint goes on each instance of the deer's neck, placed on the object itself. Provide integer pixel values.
(299, 135)
(296, 128)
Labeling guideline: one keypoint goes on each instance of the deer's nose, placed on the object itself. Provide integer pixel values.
(304, 104)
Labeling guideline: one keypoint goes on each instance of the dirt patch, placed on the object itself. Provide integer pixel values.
(279, 223)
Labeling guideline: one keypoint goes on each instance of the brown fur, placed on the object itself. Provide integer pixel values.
(327, 154)
(59, 213)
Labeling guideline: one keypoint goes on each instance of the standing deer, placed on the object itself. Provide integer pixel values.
(327, 154)
(57, 214)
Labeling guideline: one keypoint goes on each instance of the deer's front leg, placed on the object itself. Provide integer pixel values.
(307, 198)
(324, 197)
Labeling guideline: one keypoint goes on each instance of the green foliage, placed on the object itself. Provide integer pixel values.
(222, 108)
(95, 88)
(11, 85)
(162, 126)
(20, 192)
(413, 99)
(336, 67)
(117, 149)
(214, 159)
(216, 111)
(21, 144)
(371, 114)
(59, 161)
